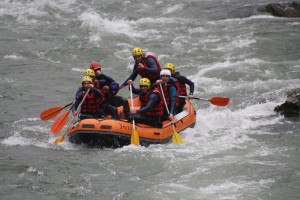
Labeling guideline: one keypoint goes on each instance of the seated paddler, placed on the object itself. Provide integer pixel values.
(91, 106)
(151, 109)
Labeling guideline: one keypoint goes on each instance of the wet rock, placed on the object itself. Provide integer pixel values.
(291, 107)
(283, 9)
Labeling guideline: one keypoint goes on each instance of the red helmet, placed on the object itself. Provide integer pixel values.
(95, 65)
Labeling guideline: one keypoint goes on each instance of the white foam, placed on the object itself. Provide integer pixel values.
(7, 80)
(234, 188)
(172, 9)
(17, 140)
(78, 69)
(99, 25)
(14, 57)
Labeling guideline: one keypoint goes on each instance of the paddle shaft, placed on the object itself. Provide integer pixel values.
(176, 137)
(131, 98)
(185, 97)
(162, 92)
(135, 140)
(68, 105)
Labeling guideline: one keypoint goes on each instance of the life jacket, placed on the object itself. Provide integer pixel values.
(98, 86)
(181, 90)
(91, 104)
(144, 74)
(166, 87)
(181, 87)
(158, 109)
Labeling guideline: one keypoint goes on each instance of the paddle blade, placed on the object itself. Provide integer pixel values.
(51, 113)
(176, 138)
(60, 122)
(59, 139)
(219, 101)
(135, 139)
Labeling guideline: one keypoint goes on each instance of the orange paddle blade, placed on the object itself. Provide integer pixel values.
(51, 113)
(176, 138)
(219, 101)
(135, 140)
(60, 122)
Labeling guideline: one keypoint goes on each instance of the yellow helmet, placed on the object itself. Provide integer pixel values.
(90, 73)
(137, 52)
(170, 66)
(87, 79)
(145, 81)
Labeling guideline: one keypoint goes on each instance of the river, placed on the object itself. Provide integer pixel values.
(227, 48)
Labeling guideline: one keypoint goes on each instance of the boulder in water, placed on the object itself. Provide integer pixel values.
(284, 9)
(291, 107)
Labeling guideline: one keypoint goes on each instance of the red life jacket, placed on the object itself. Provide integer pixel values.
(166, 88)
(181, 90)
(91, 104)
(144, 74)
(158, 109)
(97, 85)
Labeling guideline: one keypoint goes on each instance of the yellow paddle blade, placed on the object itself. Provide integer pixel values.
(59, 139)
(135, 139)
(176, 138)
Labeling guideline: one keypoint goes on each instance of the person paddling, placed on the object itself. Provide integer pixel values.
(151, 109)
(109, 87)
(180, 84)
(91, 107)
(169, 90)
(147, 66)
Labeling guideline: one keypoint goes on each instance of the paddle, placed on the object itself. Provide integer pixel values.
(62, 137)
(176, 138)
(218, 101)
(60, 122)
(135, 140)
(52, 112)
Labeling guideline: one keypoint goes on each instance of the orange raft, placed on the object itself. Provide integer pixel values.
(110, 133)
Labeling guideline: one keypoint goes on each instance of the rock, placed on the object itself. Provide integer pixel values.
(284, 9)
(291, 107)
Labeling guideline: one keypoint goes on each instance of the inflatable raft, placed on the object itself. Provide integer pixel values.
(110, 133)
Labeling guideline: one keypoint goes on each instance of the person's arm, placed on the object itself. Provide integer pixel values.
(189, 82)
(78, 99)
(97, 92)
(108, 79)
(153, 100)
(151, 66)
(132, 77)
(79, 90)
(172, 92)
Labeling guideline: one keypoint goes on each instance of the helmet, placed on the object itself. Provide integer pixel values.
(114, 87)
(137, 52)
(165, 72)
(87, 79)
(170, 66)
(145, 81)
(95, 65)
(90, 73)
